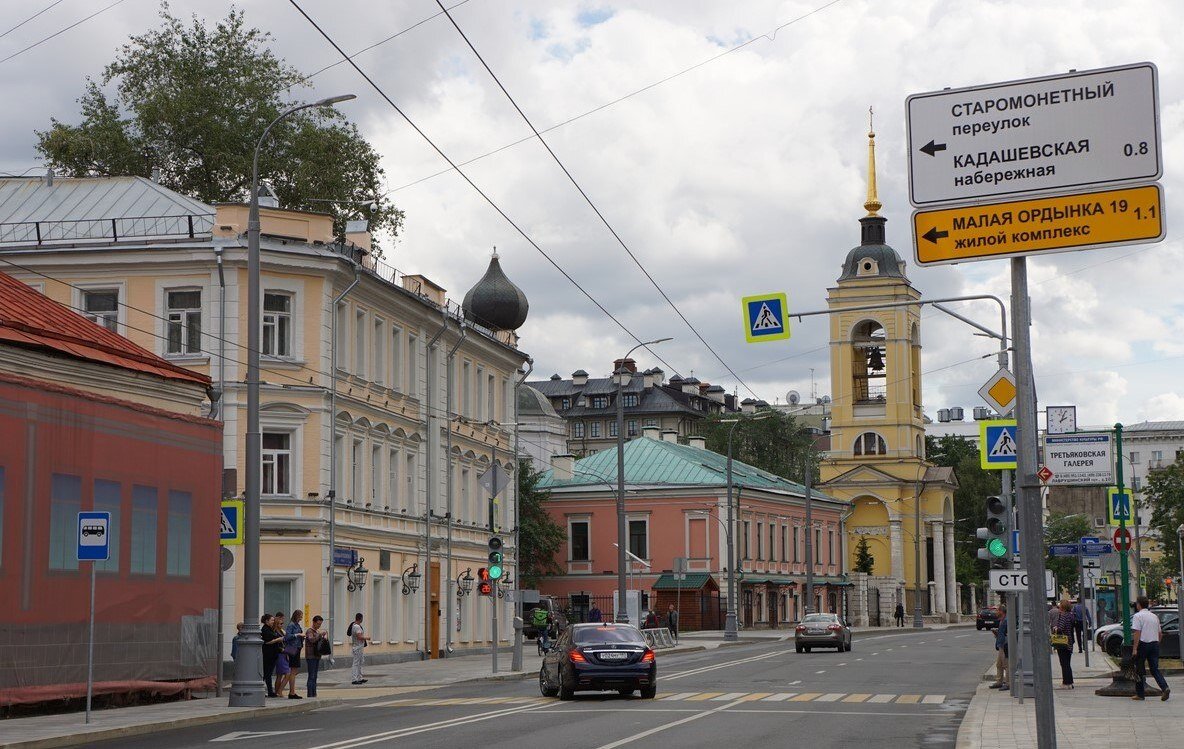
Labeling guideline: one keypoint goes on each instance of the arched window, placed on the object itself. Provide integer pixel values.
(869, 362)
(870, 443)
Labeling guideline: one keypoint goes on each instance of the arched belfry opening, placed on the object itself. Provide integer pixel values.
(869, 362)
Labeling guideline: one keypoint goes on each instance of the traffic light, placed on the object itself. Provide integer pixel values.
(496, 570)
(484, 584)
(994, 535)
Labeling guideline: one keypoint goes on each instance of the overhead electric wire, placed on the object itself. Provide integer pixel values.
(592, 205)
(61, 31)
(378, 89)
(771, 35)
(30, 18)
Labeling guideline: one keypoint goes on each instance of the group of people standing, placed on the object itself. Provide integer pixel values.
(288, 647)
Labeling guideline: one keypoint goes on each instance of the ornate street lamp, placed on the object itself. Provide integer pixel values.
(464, 583)
(356, 576)
(410, 579)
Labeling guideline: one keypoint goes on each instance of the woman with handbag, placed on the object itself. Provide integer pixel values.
(1062, 642)
(293, 644)
(316, 646)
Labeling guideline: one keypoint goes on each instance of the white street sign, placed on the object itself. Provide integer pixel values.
(1091, 562)
(999, 391)
(1016, 581)
(1038, 136)
(1081, 459)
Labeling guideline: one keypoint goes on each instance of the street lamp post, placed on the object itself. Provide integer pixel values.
(247, 689)
(622, 602)
(730, 622)
(1180, 582)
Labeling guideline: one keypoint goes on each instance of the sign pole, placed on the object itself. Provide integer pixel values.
(1081, 603)
(1013, 656)
(1037, 646)
(1125, 603)
(90, 646)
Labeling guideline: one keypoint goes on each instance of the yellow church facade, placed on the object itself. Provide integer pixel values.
(901, 504)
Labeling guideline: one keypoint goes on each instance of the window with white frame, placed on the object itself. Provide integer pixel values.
(466, 512)
(102, 306)
(760, 541)
(480, 406)
(631, 427)
(817, 546)
(379, 365)
(639, 538)
(613, 431)
(870, 443)
(394, 500)
(65, 502)
(183, 311)
(797, 544)
(577, 429)
(490, 384)
(1134, 456)
(277, 463)
(376, 475)
(412, 365)
(630, 400)
(396, 358)
(277, 324)
(412, 501)
(342, 320)
(772, 542)
(745, 538)
(830, 547)
(360, 343)
(356, 489)
(578, 540)
(594, 429)
(466, 389)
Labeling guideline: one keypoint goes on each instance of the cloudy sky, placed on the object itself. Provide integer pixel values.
(745, 174)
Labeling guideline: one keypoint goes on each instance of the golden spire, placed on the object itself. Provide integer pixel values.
(873, 204)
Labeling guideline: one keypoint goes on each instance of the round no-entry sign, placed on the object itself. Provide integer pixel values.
(1122, 539)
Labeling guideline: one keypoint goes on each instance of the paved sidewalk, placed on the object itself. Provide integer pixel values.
(1084, 720)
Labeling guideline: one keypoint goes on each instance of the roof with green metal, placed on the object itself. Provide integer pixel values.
(693, 581)
(651, 462)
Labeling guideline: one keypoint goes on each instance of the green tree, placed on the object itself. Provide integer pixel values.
(1164, 493)
(540, 538)
(1065, 529)
(192, 100)
(864, 561)
(975, 484)
(776, 443)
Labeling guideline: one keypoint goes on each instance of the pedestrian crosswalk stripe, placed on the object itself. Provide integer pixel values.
(881, 698)
(779, 697)
(908, 699)
(856, 697)
(728, 697)
(861, 697)
(680, 696)
(806, 697)
(703, 696)
(755, 696)
(933, 699)
(831, 697)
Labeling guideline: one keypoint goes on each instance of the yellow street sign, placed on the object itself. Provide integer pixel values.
(1027, 227)
(999, 391)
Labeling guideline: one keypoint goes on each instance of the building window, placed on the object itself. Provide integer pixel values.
(630, 400)
(638, 538)
(650, 422)
(466, 389)
(631, 427)
(180, 533)
(772, 542)
(143, 561)
(797, 544)
(594, 428)
(277, 463)
(184, 321)
(375, 475)
(480, 405)
(577, 429)
(360, 343)
(784, 544)
(760, 541)
(65, 502)
(1157, 454)
(490, 400)
(613, 431)
(565, 404)
(1136, 483)
(578, 541)
(1134, 456)
(379, 374)
(817, 546)
(830, 547)
(412, 500)
(745, 540)
(870, 443)
(277, 325)
(102, 306)
(412, 365)
(356, 489)
(277, 595)
(396, 358)
(599, 401)
(464, 509)
(870, 361)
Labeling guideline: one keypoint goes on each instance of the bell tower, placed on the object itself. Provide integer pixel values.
(901, 504)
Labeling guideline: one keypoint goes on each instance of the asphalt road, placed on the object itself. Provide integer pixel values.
(892, 690)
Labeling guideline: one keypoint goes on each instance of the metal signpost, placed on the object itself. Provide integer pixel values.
(94, 545)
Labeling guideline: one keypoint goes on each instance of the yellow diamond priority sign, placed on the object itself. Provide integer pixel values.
(999, 392)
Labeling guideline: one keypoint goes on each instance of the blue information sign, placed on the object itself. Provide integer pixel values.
(1063, 550)
(345, 557)
(93, 541)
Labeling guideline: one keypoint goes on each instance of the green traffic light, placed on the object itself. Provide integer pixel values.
(996, 548)
(495, 572)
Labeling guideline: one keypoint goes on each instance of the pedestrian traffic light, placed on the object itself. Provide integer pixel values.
(994, 535)
(484, 584)
(496, 570)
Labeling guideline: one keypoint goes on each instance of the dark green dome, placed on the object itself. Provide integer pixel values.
(873, 258)
(495, 301)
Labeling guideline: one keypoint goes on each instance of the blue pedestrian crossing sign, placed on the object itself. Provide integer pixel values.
(230, 529)
(764, 317)
(997, 444)
(94, 538)
(1118, 506)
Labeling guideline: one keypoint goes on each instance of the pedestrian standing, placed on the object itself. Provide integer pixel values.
(1146, 633)
(1001, 675)
(273, 643)
(358, 641)
(899, 614)
(672, 622)
(594, 614)
(282, 666)
(293, 644)
(1080, 624)
(1062, 641)
(315, 644)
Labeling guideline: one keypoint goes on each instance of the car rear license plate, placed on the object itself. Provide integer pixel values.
(817, 631)
(613, 656)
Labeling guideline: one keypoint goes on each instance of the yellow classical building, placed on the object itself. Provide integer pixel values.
(901, 504)
(423, 404)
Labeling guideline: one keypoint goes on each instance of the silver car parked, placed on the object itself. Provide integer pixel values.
(823, 631)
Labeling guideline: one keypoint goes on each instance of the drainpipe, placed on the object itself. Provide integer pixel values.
(448, 486)
(428, 472)
(333, 446)
(516, 658)
(220, 414)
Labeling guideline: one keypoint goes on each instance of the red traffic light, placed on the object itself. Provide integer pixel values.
(483, 574)
(485, 588)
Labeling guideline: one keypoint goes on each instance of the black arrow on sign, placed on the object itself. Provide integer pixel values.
(932, 148)
(933, 235)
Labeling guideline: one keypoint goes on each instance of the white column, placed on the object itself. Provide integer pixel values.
(951, 573)
(897, 549)
(939, 567)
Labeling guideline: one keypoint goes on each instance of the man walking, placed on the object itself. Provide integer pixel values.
(672, 622)
(1145, 649)
(358, 641)
(1001, 675)
(1082, 624)
(899, 614)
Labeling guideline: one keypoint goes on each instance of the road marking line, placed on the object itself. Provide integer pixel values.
(908, 699)
(664, 726)
(842, 664)
(861, 713)
(394, 703)
(889, 649)
(779, 697)
(795, 683)
(959, 637)
(880, 699)
(823, 671)
(856, 698)
(933, 699)
(703, 696)
(922, 642)
(831, 697)
(755, 696)
(903, 646)
(875, 653)
(679, 696)
(806, 697)
(859, 659)
(703, 669)
(729, 697)
(426, 727)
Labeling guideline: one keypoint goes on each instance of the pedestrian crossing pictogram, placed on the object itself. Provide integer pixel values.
(230, 527)
(1004, 445)
(765, 317)
(997, 444)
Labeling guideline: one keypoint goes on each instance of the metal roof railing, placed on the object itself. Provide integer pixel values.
(106, 229)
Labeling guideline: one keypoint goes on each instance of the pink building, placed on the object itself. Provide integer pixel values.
(676, 506)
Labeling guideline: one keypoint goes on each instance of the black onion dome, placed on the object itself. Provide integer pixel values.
(495, 301)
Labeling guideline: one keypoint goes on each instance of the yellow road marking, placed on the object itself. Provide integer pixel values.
(856, 697)
(908, 699)
(703, 696)
(806, 697)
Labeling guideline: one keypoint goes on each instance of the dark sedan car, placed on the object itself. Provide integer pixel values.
(822, 631)
(1169, 644)
(599, 657)
(987, 618)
